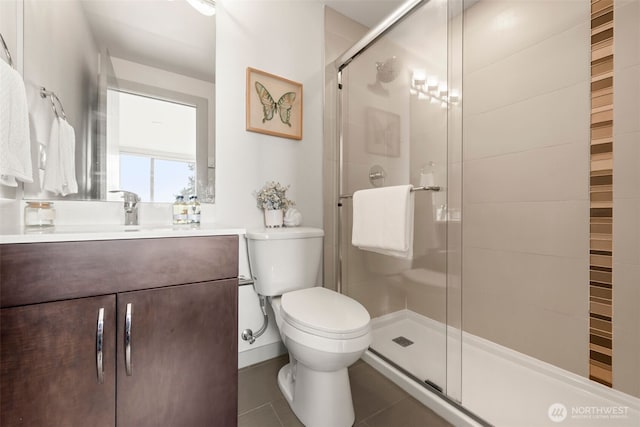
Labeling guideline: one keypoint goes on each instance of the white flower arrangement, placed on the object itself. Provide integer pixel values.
(272, 196)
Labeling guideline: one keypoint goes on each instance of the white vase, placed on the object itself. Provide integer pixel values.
(273, 218)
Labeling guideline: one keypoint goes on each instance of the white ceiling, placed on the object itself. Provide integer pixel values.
(170, 34)
(367, 12)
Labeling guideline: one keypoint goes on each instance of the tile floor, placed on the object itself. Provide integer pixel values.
(376, 400)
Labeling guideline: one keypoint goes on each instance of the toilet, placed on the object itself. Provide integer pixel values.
(325, 332)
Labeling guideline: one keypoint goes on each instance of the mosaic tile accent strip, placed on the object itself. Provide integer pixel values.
(601, 194)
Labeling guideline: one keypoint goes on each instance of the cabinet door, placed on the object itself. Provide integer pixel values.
(49, 364)
(183, 356)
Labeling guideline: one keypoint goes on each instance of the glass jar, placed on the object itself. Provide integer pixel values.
(39, 214)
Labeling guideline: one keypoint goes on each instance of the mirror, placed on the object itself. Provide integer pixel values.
(136, 80)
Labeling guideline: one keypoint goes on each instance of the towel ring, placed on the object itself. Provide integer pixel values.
(53, 97)
(6, 51)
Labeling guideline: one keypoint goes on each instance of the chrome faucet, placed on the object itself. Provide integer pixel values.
(130, 206)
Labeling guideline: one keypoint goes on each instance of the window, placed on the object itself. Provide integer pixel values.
(155, 144)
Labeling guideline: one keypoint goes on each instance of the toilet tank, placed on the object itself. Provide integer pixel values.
(284, 259)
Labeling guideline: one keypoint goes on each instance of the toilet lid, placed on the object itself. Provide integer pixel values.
(324, 312)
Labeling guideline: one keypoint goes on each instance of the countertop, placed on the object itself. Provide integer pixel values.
(68, 233)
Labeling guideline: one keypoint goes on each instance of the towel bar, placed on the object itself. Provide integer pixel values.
(52, 95)
(6, 51)
(426, 188)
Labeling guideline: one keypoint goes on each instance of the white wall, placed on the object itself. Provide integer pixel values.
(283, 38)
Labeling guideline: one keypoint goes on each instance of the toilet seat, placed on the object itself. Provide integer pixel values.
(325, 313)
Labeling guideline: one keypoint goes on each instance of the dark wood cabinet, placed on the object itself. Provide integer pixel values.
(180, 354)
(49, 368)
(183, 333)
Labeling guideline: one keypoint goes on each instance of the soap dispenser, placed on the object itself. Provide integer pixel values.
(193, 217)
(180, 211)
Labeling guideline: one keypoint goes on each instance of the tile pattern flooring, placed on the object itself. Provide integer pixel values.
(377, 401)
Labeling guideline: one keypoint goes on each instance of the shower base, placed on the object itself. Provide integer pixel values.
(500, 385)
(425, 357)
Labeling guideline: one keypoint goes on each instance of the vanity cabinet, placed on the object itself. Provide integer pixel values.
(166, 353)
(181, 356)
(48, 368)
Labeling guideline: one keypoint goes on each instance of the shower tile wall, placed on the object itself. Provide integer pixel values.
(626, 198)
(525, 175)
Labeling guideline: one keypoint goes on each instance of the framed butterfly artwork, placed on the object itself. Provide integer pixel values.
(274, 105)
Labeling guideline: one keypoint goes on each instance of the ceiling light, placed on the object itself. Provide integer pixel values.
(432, 84)
(419, 77)
(205, 7)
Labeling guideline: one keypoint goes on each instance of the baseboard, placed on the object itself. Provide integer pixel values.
(260, 354)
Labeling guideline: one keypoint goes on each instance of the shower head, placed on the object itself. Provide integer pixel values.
(388, 70)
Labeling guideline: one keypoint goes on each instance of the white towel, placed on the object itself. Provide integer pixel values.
(60, 172)
(53, 168)
(68, 157)
(15, 143)
(383, 220)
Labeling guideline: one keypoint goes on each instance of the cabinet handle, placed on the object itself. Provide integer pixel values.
(127, 340)
(99, 342)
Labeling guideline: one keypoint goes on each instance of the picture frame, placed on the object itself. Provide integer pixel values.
(383, 132)
(273, 105)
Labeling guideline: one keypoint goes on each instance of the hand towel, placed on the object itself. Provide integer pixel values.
(60, 172)
(68, 158)
(383, 220)
(15, 143)
(53, 169)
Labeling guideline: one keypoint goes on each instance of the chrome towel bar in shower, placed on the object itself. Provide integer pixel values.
(414, 189)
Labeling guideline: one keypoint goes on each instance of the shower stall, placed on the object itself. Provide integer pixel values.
(499, 316)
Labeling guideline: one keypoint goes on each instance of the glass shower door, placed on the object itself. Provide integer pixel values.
(398, 112)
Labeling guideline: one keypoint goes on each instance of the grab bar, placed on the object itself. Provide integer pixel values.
(414, 189)
(6, 51)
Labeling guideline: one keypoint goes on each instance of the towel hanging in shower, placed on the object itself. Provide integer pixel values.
(383, 220)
